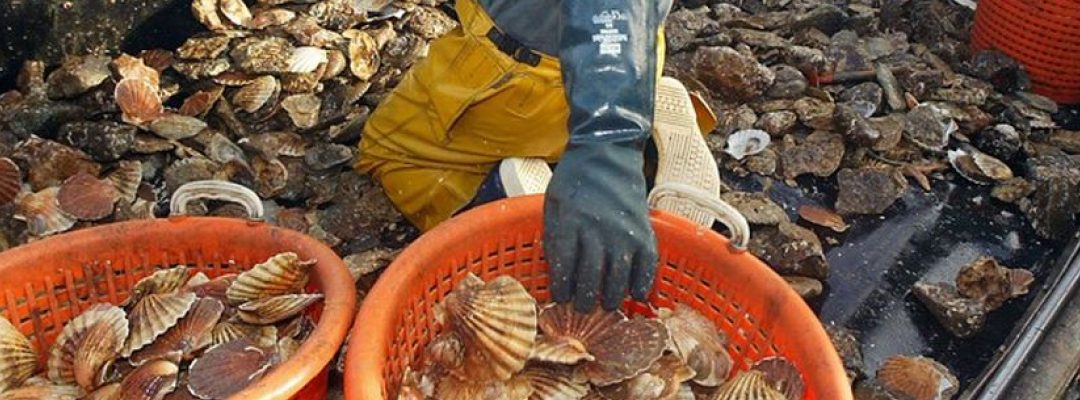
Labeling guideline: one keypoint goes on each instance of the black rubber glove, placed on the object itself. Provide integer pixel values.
(597, 237)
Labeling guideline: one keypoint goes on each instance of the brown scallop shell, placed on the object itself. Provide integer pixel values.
(86, 197)
(158, 59)
(497, 323)
(191, 334)
(18, 360)
(201, 102)
(236, 12)
(106, 392)
(62, 355)
(782, 375)
(198, 279)
(235, 78)
(96, 352)
(823, 217)
(128, 67)
(699, 343)
(363, 55)
(553, 384)
(253, 96)
(162, 281)
(303, 109)
(748, 385)
(126, 178)
(42, 392)
(282, 274)
(613, 363)
(153, 315)
(42, 213)
(177, 126)
(228, 331)
(215, 288)
(228, 368)
(453, 388)
(276, 309)
(151, 381)
(1020, 281)
(10, 181)
(661, 381)
(139, 101)
(560, 350)
(917, 378)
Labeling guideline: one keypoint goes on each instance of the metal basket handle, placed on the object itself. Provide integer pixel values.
(216, 190)
(721, 210)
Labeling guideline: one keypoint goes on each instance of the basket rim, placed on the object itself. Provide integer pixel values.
(287, 378)
(373, 331)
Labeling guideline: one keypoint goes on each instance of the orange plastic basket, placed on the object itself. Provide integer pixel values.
(761, 315)
(49, 282)
(1043, 35)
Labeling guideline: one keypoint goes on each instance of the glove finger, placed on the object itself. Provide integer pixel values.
(559, 249)
(590, 271)
(620, 266)
(644, 274)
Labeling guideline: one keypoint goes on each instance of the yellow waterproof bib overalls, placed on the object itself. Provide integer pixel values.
(459, 112)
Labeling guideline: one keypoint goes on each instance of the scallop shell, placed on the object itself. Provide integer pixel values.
(445, 351)
(86, 197)
(661, 381)
(128, 67)
(748, 385)
(228, 368)
(198, 279)
(235, 78)
(201, 102)
(276, 309)
(453, 388)
(363, 55)
(306, 59)
(303, 109)
(42, 213)
(151, 381)
(10, 181)
(553, 384)
(698, 342)
(560, 350)
(236, 12)
(613, 363)
(228, 331)
(162, 281)
(781, 375)
(823, 217)
(497, 323)
(155, 314)
(747, 142)
(917, 378)
(106, 392)
(158, 59)
(96, 352)
(216, 288)
(126, 178)
(18, 360)
(560, 320)
(978, 167)
(177, 126)
(61, 363)
(992, 167)
(42, 392)
(282, 274)
(139, 100)
(272, 17)
(191, 334)
(256, 94)
(1020, 281)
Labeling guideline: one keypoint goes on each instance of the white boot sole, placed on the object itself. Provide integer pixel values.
(684, 157)
(524, 176)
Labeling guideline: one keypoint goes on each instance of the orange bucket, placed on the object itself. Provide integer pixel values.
(761, 315)
(1043, 35)
(48, 282)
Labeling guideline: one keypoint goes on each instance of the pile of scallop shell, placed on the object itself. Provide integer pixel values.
(498, 344)
(178, 336)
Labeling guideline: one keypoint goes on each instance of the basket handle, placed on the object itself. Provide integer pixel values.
(721, 210)
(216, 190)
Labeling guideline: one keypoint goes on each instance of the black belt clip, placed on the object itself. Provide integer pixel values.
(513, 48)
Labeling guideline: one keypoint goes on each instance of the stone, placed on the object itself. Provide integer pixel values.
(790, 250)
(869, 190)
(103, 141)
(732, 75)
(961, 316)
(849, 348)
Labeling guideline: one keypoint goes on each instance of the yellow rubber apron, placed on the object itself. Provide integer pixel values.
(456, 114)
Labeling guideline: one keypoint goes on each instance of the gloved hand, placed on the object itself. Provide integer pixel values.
(597, 236)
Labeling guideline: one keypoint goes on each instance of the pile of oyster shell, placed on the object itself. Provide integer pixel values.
(498, 344)
(178, 336)
(982, 286)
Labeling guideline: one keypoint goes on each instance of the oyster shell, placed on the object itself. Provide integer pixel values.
(266, 18)
(306, 59)
(126, 178)
(560, 350)
(747, 142)
(42, 213)
(206, 12)
(275, 309)
(497, 323)
(18, 360)
(363, 55)
(335, 64)
(191, 334)
(698, 342)
(823, 217)
(253, 96)
(961, 316)
(151, 381)
(78, 75)
(781, 375)
(62, 361)
(236, 12)
(262, 55)
(162, 281)
(869, 190)
(228, 368)
(153, 315)
(917, 378)
(979, 167)
(10, 181)
(139, 100)
(86, 197)
(987, 281)
(96, 352)
(205, 48)
(553, 384)
(748, 385)
(303, 109)
(282, 274)
(177, 126)
(42, 392)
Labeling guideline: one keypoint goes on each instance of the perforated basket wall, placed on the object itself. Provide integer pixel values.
(1043, 35)
(51, 281)
(760, 314)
